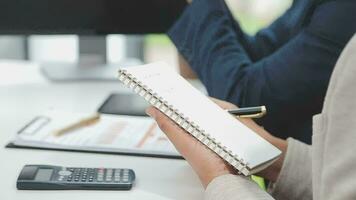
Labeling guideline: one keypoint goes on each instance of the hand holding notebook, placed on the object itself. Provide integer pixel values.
(205, 163)
(239, 146)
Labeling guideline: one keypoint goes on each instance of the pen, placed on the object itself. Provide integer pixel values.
(249, 112)
(79, 124)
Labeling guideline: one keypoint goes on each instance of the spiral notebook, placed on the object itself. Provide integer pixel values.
(219, 131)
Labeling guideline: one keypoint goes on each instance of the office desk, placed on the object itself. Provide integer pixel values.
(24, 93)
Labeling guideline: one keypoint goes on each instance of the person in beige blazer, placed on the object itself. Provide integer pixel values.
(324, 170)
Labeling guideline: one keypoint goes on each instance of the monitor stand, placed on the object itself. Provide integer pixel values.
(92, 64)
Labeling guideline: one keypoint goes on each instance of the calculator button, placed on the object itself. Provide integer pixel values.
(64, 173)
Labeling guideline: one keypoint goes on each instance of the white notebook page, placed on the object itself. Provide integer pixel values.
(217, 122)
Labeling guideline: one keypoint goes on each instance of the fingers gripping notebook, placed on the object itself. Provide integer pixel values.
(165, 89)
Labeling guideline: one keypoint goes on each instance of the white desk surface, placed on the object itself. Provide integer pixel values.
(25, 93)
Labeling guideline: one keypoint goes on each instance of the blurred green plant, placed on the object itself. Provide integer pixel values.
(157, 39)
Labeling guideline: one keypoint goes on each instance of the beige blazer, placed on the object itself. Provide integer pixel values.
(327, 169)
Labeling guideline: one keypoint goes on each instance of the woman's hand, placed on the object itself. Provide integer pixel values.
(206, 163)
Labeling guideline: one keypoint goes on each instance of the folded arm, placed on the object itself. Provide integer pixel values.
(293, 77)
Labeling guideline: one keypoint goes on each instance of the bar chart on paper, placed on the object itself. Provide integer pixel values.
(112, 133)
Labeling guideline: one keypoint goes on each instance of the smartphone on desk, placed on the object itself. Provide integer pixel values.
(124, 104)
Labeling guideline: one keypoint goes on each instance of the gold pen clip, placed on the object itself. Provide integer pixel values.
(257, 115)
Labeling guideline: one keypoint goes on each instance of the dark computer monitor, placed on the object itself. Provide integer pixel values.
(92, 20)
(88, 17)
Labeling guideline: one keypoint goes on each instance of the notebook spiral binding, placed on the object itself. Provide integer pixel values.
(182, 121)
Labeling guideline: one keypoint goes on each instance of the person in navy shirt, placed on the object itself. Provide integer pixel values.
(285, 67)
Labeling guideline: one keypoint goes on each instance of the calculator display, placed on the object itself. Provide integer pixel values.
(43, 174)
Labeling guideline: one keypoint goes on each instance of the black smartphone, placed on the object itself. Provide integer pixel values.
(124, 104)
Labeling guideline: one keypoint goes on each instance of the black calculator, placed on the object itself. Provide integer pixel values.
(48, 177)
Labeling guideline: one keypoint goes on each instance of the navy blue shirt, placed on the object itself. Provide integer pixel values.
(286, 66)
